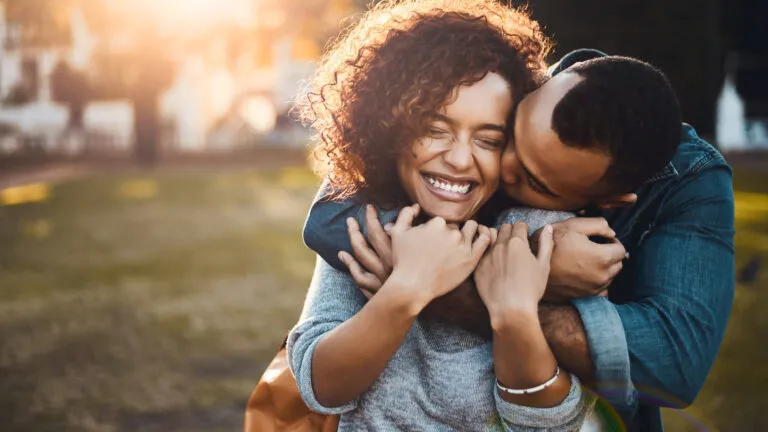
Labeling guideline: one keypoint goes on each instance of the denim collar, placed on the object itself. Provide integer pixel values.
(668, 171)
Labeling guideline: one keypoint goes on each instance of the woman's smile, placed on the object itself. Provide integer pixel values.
(448, 188)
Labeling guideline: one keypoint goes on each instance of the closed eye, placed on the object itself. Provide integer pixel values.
(490, 143)
(437, 133)
(536, 187)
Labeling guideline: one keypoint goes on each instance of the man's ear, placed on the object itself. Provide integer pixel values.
(616, 201)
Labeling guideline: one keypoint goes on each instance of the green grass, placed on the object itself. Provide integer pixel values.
(148, 301)
(152, 301)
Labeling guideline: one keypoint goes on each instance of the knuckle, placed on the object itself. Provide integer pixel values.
(618, 268)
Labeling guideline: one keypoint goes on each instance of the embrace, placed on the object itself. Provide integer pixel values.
(501, 245)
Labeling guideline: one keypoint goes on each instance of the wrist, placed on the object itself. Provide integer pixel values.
(513, 317)
(403, 294)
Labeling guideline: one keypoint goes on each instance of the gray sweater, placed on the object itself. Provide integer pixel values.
(440, 379)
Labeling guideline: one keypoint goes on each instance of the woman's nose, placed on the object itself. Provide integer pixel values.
(459, 156)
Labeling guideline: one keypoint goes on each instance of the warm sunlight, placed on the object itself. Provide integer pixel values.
(195, 15)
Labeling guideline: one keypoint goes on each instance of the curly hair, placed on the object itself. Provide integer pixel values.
(381, 79)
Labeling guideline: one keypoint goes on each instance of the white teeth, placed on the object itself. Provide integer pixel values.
(462, 189)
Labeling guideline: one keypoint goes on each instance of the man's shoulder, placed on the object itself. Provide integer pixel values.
(697, 169)
(695, 155)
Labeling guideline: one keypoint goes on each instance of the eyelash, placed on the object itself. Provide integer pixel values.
(535, 187)
(491, 143)
(437, 133)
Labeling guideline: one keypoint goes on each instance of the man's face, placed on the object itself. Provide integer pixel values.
(537, 169)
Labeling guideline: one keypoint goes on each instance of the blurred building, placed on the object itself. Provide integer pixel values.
(27, 114)
(31, 119)
(231, 83)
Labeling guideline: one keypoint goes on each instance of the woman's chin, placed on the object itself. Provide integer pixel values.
(451, 212)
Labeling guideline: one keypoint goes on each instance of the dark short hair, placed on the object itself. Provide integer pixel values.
(626, 108)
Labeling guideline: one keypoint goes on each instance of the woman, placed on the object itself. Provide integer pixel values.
(413, 105)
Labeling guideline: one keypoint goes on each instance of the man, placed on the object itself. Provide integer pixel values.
(579, 144)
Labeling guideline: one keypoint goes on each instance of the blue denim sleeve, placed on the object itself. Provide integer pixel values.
(681, 299)
(608, 349)
(325, 230)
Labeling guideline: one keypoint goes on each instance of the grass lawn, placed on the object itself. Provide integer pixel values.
(153, 302)
(148, 302)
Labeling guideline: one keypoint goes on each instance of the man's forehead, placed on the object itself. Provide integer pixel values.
(551, 92)
(564, 169)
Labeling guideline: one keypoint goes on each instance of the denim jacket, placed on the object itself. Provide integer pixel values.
(655, 338)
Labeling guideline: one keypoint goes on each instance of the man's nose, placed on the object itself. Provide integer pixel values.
(510, 168)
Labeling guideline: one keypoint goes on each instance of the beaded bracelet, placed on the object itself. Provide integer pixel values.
(536, 389)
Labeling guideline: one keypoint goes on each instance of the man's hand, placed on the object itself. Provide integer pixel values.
(371, 266)
(579, 266)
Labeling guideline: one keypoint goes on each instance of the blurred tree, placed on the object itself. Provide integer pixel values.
(72, 88)
(139, 75)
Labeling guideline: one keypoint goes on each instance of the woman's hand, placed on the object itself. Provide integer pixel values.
(434, 258)
(510, 277)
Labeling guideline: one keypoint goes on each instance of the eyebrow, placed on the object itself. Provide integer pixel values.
(538, 182)
(484, 126)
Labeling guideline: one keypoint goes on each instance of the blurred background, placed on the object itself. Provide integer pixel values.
(153, 187)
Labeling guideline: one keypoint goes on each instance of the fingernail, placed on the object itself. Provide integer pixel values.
(342, 257)
(349, 222)
(613, 233)
(549, 228)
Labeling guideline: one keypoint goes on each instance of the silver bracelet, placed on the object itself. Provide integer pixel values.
(536, 389)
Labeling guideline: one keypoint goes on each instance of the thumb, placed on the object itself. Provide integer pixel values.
(546, 245)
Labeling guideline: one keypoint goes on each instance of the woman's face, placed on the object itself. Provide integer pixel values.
(454, 170)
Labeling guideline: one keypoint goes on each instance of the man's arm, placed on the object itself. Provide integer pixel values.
(679, 302)
(325, 229)
(567, 339)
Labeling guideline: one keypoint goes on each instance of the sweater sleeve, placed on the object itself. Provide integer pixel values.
(566, 417)
(332, 299)
(535, 218)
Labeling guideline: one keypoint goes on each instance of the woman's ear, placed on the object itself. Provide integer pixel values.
(616, 201)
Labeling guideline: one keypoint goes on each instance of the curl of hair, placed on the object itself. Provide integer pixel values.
(376, 87)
